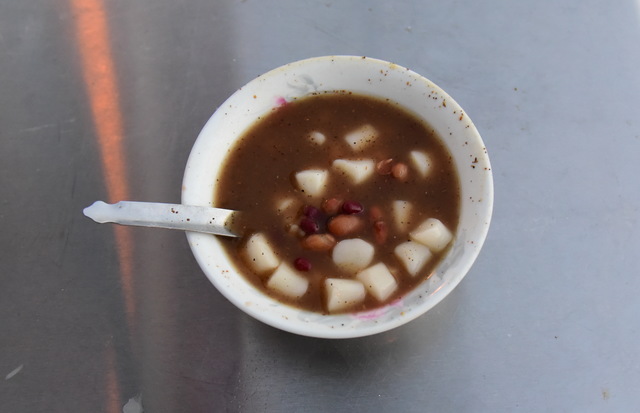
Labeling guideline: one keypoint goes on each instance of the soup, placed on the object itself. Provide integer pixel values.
(348, 202)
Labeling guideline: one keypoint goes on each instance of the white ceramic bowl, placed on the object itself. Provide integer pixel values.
(364, 76)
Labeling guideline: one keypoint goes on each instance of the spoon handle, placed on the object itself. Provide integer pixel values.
(172, 216)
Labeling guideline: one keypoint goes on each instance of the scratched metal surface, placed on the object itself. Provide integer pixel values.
(102, 99)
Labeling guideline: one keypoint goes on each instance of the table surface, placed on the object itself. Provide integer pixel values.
(102, 99)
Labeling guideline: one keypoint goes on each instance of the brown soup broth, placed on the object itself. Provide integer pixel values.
(260, 166)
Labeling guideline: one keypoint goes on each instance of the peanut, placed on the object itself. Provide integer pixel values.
(319, 242)
(384, 167)
(380, 231)
(342, 225)
(375, 213)
(331, 206)
(400, 171)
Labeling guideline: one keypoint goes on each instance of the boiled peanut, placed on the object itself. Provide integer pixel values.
(342, 225)
(380, 231)
(319, 242)
(331, 206)
(384, 167)
(400, 171)
(375, 213)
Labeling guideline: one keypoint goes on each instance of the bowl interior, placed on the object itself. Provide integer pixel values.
(363, 76)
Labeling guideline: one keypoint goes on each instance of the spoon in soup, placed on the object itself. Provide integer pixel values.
(209, 220)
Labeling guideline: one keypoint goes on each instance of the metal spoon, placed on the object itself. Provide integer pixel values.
(172, 216)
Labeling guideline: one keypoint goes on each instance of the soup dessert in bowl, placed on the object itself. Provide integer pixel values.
(366, 194)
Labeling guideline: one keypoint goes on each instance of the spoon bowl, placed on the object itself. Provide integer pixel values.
(366, 76)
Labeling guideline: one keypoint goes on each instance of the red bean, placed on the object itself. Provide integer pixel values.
(302, 264)
(309, 226)
(311, 212)
(352, 207)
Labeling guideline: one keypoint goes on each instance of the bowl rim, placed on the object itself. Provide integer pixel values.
(300, 321)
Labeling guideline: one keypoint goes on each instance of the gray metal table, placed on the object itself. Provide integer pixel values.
(102, 99)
